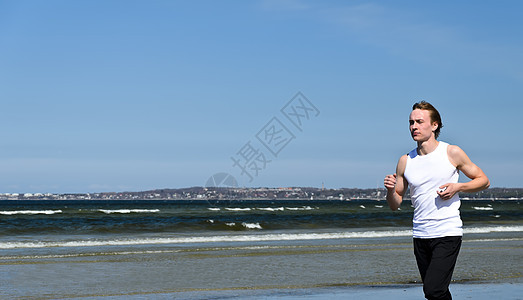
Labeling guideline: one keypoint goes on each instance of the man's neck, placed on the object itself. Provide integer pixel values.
(427, 146)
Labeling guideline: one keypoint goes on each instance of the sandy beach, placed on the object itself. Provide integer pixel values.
(477, 291)
(326, 269)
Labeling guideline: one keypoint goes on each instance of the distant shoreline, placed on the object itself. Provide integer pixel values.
(260, 194)
(248, 199)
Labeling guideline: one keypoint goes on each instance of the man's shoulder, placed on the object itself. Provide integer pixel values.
(456, 155)
(402, 163)
(454, 150)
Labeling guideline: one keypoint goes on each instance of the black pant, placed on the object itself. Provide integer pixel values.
(436, 259)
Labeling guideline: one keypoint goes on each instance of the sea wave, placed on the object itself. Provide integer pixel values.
(128, 211)
(251, 225)
(241, 238)
(281, 208)
(489, 229)
(482, 208)
(299, 208)
(237, 209)
(206, 239)
(271, 208)
(30, 212)
(246, 225)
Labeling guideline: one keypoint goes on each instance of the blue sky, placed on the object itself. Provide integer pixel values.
(136, 95)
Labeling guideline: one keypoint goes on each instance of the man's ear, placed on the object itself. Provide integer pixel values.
(435, 126)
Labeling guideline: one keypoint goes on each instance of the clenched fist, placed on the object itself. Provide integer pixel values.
(390, 182)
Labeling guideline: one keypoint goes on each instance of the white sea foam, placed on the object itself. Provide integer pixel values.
(230, 224)
(207, 239)
(244, 238)
(213, 208)
(127, 211)
(493, 240)
(482, 208)
(300, 208)
(251, 225)
(237, 209)
(30, 212)
(271, 208)
(493, 229)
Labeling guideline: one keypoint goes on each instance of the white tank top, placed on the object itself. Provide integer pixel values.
(433, 216)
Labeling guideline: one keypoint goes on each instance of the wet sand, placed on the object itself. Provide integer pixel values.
(489, 266)
(485, 291)
(476, 291)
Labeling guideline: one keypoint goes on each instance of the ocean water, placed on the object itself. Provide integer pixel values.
(67, 249)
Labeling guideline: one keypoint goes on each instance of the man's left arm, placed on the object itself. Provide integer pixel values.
(478, 182)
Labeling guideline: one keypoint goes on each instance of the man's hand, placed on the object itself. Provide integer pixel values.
(448, 190)
(396, 184)
(390, 182)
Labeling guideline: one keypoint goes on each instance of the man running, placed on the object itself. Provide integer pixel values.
(432, 171)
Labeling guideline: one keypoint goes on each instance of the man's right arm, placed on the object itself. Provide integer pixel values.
(396, 184)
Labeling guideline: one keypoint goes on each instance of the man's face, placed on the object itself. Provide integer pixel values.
(421, 128)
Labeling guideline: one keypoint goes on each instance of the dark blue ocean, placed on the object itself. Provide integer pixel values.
(33, 224)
